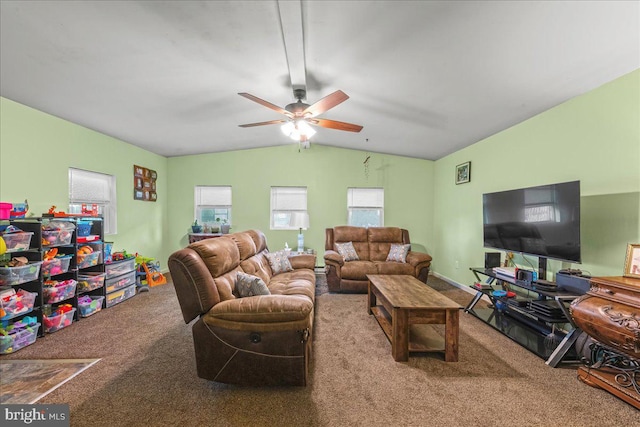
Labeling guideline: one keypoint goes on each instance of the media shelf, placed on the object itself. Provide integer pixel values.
(546, 330)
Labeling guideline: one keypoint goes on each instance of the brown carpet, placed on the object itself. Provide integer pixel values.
(147, 376)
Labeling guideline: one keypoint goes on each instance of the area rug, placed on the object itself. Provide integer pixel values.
(27, 381)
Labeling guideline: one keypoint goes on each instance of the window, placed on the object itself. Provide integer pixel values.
(286, 204)
(365, 207)
(93, 188)
(213, 203)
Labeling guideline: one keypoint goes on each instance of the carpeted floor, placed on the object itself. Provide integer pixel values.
(147, 376)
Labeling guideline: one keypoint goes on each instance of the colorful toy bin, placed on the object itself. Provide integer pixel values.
(15, 303)
(55, 291)
(90, 281)
(19, 335)
(84, 228)
(60, 318)
(55, 266)
(88, 305)
(15, 275)
(57, 233)
(17, 241)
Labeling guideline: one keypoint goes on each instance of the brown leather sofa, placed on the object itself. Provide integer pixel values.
(256, 340)
(372, 245)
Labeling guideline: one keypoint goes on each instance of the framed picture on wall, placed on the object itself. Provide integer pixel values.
(144, 184)
(463, 173)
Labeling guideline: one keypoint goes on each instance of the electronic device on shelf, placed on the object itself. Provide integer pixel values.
(545, 285)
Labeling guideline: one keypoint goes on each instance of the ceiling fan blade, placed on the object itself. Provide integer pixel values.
(334, 124)
(325, 104)
(270, 122)
(266, 104)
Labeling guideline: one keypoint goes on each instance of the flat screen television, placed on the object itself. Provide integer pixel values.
(543, 221)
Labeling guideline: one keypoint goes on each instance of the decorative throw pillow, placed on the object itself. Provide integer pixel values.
(347, 251)
(398, 253)
(279, 262)
(248, 285)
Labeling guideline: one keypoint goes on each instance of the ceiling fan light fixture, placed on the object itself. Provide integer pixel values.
(298, 130)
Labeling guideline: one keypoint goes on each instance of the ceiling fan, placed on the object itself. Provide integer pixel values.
(300, 115)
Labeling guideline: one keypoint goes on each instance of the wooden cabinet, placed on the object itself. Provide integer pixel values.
(610, 314)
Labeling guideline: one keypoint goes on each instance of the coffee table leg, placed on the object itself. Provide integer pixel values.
(400, 335)
(371, 298)
(451, 335)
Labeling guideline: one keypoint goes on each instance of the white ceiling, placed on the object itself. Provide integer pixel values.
(425, 79)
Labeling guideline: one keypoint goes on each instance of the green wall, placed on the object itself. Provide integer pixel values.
(36, 152)
(594, 138)
(327, 172)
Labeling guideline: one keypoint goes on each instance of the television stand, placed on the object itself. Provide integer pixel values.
(539, 320)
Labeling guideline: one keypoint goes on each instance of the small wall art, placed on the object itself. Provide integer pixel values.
(144, 184)
(463, 173)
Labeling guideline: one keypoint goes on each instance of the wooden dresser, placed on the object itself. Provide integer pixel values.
(610, 314)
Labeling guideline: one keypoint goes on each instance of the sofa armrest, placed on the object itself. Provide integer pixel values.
(417, 258)
(262, 309)
(333, 257)
(303, 261)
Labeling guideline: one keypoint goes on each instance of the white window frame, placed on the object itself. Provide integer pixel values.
(285, 203)
(89, 188)
(212, 197)
(361, 199)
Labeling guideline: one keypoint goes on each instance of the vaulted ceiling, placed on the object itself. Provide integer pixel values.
(425, 78)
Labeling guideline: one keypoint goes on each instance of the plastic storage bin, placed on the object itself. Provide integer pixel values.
(89, 304)
(120, 267)
(84, 228)
(17, 242)
(16, 275)
(56, 266)
(55, 291)
(90, 281)
(88, 260)
(57, 321)
(16, 303)
(121, 295)
(120, 282)
(56, 237)
(17, 338)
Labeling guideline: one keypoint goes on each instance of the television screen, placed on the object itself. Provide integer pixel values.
(542, 221)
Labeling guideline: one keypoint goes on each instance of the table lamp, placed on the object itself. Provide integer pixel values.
(300, 220)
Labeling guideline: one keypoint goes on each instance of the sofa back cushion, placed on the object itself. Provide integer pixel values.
(246, 244)
(356, 235)
(380, 241)
(220, 254)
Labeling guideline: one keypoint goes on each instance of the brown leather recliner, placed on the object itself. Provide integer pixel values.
(256, 340)
(372, 245)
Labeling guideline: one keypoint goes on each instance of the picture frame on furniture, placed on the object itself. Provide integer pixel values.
(632, 261)
(463, 173)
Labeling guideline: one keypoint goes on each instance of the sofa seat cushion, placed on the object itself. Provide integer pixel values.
(297, 282)
(260, 309)
(358, 270)
(389, 267)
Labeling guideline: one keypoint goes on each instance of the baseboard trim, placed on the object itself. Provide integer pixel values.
(459, 285)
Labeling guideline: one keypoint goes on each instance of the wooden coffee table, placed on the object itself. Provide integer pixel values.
(406, 301)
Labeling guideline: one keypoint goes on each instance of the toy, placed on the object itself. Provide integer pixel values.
(19, 210)
(121, 256)
(149, 273)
